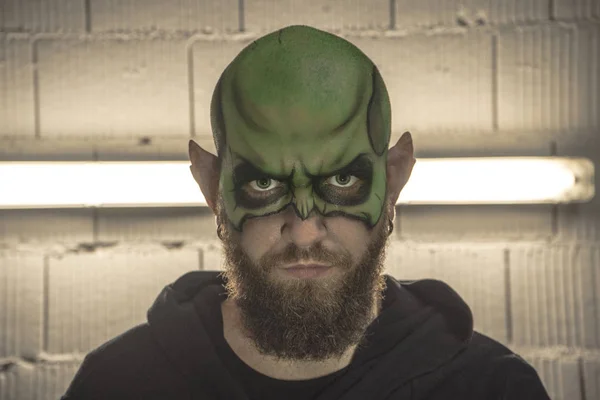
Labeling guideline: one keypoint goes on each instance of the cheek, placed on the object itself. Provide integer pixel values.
(257, 238)
(352, 236)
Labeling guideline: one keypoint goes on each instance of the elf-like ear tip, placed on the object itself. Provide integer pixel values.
(406, 137)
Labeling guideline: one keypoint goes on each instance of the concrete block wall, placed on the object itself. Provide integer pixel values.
(132, 80)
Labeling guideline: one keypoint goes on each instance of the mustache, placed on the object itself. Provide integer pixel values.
(292, 254)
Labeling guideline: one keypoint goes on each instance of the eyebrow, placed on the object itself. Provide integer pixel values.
(361, 166)
(247, 172)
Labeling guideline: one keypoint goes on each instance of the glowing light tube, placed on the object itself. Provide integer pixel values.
(513, 180)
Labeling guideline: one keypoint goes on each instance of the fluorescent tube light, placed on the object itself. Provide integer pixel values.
(170, 184)
(502, 180)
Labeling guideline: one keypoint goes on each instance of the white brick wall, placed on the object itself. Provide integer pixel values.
(265, 15)
(591, 376)
(189, 15)
(432, 13)
(53, 226)
(475, 272)
(549, 79)
(17, 117)
(43, 380)
(94, 297)
(560, 376)
(88, 80)
(21, 304)
(153, 224)
(113, 87)
(554, 295)
(42, 16)
(436, 83)
(577, 9)
(210, 58)
(475, 223)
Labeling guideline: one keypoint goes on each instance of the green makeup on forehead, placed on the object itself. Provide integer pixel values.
(307, 111)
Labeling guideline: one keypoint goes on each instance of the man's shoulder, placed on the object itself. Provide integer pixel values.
(491, 354)
(129, 347)
(485, 344)
(120, 365)
(503, 370)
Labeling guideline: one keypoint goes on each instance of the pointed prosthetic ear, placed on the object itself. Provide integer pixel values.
(400, 164)
(206, 172)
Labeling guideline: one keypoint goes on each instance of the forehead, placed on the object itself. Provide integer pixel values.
(315, 148)
(302, 158)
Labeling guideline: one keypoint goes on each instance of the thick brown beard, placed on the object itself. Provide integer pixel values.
(310, 320)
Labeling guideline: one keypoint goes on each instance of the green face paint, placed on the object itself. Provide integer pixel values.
(302, 117)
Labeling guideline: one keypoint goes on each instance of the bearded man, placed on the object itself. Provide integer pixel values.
(304, 189)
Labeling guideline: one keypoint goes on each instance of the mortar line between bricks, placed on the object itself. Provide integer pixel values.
(595, 296)
(580, 371)
(36, 90)
(555, 207)
(386, 34)
(554, 221)
(87, 9)
(46, 300)
(494, 82)
(95, 224)
(508, 294)
(241, 16)
(191, 99)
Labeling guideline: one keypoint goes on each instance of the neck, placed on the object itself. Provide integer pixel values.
(270, 365)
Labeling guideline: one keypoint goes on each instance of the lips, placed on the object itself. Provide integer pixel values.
(307, 270)
(297, 266)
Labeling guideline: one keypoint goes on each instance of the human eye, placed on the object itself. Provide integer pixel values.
(264, 184)
(342, 180)
(346, 189)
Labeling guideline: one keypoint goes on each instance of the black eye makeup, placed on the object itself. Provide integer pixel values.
(246, 172)
(348, 186)
(254, 189)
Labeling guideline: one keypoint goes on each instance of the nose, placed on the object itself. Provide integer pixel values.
(305, 233)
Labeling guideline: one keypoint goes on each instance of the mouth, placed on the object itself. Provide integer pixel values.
(306, 270)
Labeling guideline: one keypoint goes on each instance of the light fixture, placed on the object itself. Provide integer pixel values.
(506, 180)
(501, 180)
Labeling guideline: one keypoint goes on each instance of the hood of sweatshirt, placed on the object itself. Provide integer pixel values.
(422, 326)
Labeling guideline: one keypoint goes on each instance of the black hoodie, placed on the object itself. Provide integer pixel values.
(421, 346)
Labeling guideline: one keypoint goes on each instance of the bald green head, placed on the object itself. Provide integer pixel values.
(301, 117)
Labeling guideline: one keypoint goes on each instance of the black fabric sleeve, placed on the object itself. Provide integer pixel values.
(515, 379)
(76, 389)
